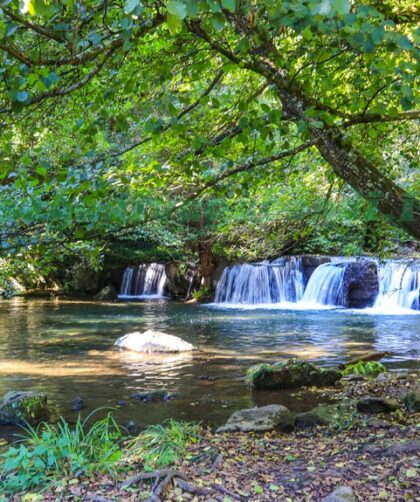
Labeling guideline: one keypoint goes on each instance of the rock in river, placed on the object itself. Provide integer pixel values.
(291, 375)
(153, 342)
(265, 418)
(153, 396)
(19, 407)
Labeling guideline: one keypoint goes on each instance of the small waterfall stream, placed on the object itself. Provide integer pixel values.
(326, 285)
(144, 281)
(330, 284)
(278, 281)
(399, 285)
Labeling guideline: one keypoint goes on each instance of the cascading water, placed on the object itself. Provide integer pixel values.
(278, 281)
(399, 286)
(144, 281)
(326, 285)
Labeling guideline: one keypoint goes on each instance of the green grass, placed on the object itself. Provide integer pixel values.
(50, 454)
(162, 445)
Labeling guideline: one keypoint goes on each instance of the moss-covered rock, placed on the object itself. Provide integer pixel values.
(291, 375)
(18, 407)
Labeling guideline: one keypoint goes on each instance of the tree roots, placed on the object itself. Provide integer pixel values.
(164, 477)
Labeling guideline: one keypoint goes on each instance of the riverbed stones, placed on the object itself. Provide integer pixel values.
(377, 405)
(151, 342)
(20, 407)
(340, 494)
(291, 375)
(153, 396)
(259, 419)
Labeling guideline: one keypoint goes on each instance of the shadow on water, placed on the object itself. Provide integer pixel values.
(66, 349)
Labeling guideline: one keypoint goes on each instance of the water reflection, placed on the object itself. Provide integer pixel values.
(66, 349)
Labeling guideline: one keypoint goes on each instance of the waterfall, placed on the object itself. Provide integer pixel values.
(399, 286)
(278, 281)
(146, 280)
(326, 285)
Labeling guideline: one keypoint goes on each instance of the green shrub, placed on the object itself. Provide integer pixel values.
(371, 368)
(200, 294)
(343, 419)
(51, 453)
(162, 445)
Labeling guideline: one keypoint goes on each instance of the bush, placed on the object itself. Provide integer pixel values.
(200, 294)
(162, 445)
(371, 368)
(51, 453)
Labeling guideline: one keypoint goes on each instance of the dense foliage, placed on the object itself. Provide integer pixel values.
(258, 128)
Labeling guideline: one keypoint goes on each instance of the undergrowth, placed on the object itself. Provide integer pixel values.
(162, 445)
(52, 454)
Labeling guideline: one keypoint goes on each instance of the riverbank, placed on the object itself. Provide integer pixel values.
(375, 455)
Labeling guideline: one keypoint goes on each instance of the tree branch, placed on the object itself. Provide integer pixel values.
(250, 165)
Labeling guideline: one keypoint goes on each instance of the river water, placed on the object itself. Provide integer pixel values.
(66, 350)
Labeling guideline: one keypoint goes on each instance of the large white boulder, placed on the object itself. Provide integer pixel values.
(153, 342)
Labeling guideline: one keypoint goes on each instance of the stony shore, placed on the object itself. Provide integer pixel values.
(375, 456)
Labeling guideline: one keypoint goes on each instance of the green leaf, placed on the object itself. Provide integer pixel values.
(342, 7)
(411, 473)
(42, 171)
(229, 5)
(177, 9)
(22, 96)
(131, 5)
(404, 43)
(218, 20)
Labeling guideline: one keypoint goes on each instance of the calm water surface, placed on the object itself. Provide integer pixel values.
(66, 349)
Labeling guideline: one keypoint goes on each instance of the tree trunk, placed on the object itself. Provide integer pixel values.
(391, 200)
(206, 263)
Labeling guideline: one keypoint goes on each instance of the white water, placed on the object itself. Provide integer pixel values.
(145, 281)
(399, 286)
(273, 282)
(280, 285)
(326, 285)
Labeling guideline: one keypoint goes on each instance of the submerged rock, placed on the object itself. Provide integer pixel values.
(341, 494)
(77, 404)
(153, 342)
(106, 294)
(265, 418)
(291, 375)
(153, 396)
(19, 407)
(377, 405)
